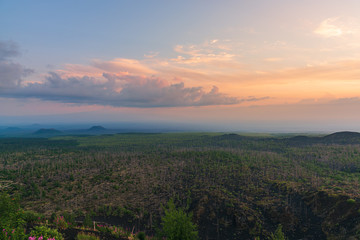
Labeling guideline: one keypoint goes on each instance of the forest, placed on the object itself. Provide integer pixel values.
(226, 186)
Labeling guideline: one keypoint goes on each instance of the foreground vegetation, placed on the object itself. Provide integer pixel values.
(229, 186)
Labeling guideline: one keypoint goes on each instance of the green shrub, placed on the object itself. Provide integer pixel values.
(12, 218)
(87, 221)
(9, 211)
(86, 236)
(13, 233)
(12, 221)
(32, 217)
(70, 218)
(46, 232)
(350, 200)
(141, 236)
(61, 223)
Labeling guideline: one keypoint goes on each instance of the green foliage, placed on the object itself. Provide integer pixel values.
(61, 223)
(32, 217)
(141, 236)
(46, 232)
(221, 173)
(177, 225)
(87, 221)
(115, 231)
(86, 236)
(12, 221)
(70, 218)
(278, 234)
(9, 214)
(12, 218)
(12, 233)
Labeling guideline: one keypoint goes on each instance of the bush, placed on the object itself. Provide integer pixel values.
(10, 214)
(117, 232)
(87, 221)
(33, 217)
(46, 233)
(13, 234)
(86, 236)
(141, 236)
(177, 225)
(12, 221)
(70, 218)
(61, 223)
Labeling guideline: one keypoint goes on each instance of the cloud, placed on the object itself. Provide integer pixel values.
(346, 70)
(345, 101)
(273, 59)
(151, 54)
(334, 27)
(119, 66)
(120, 91)
(7, 50)
(128, 66)
(144, 83)
(255, 99)
(328, 29)
(11, 73)
(209, 51)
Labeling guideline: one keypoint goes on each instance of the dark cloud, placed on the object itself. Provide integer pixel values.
(11, 73)
(120, 91)
(154, 94)
(111, 89)
(255, 99)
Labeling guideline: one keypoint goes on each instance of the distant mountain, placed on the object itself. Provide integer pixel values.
(47, 131)
(97, 129)
(342, 138)
(334, 138)
(12, 130)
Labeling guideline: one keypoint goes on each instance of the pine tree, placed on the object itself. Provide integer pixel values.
(177, 224)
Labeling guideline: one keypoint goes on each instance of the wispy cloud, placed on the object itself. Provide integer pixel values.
(209, 51)
(273, 59)
(327, 28)
(151, 54)
(347, 70)
(334, 27)
(123, 65)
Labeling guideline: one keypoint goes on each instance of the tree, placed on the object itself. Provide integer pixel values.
(177, 224)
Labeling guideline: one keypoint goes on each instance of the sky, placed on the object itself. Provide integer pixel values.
(280, 65)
